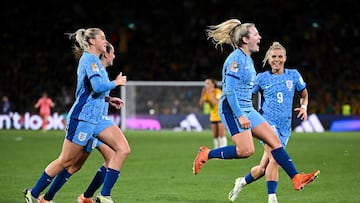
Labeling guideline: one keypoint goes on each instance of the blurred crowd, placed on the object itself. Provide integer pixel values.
(165, 40)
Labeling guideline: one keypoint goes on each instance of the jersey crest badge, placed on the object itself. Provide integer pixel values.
(82, 136)
(289, 84)
(234, 67)
(94, 67)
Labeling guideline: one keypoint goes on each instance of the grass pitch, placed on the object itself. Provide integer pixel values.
(159, 168)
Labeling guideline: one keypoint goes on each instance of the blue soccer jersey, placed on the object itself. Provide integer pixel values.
(238, 77)
(277, 94)
(93, 85)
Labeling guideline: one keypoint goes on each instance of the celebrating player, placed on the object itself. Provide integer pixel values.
(107, 59)
(278, 87)
(236, 108)
(86, 113)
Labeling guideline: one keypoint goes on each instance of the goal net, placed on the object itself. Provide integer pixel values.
(155, 105)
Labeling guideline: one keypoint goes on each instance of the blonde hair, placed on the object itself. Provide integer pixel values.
(229, 32)
(81, 40)
(275, 45)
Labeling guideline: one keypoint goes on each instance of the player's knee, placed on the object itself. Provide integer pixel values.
(66, 163)
(274, 143)
(123, 151)
(126, 151)
(73, 169)
(245, 152)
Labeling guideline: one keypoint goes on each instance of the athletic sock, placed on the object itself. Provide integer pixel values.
(249, 179)
(41, 184)
(283, 159)
(96, 182)
(228, 152)
(109, 181)
(58, 182)
(216, 143)
(271, 186)
(223, 141)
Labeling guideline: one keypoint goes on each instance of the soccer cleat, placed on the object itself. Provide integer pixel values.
(301, 180)
(103, 199)
(43, 200)
(201, 159)
(234, 193)
(29, 198)
(82, 199)
(272, 199)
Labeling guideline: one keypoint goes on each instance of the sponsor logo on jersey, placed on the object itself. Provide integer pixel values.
(94, 67)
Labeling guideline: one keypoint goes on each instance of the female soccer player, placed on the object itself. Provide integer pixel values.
(86, 112)
(211, 94)
(236, 108)
(44, 104)
(107, 59)
(278, 87)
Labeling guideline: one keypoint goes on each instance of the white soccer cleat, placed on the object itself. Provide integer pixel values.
(29, 198)
(273, 199)
(239, 185)
(103, 199)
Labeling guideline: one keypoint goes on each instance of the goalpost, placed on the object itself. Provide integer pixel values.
(149, 98)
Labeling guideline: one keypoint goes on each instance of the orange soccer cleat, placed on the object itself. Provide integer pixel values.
(301, 180)
(82, 199)
(201, 159)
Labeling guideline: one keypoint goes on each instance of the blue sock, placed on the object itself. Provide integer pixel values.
(283, 159)
(271, 186)
(58, 182)
(96, 182)
(227, 152)
(41, 184)
(249, 178)
(109, 181)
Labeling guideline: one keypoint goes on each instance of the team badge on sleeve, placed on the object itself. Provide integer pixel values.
(301, 80)
(234, 67)
(95, 67)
